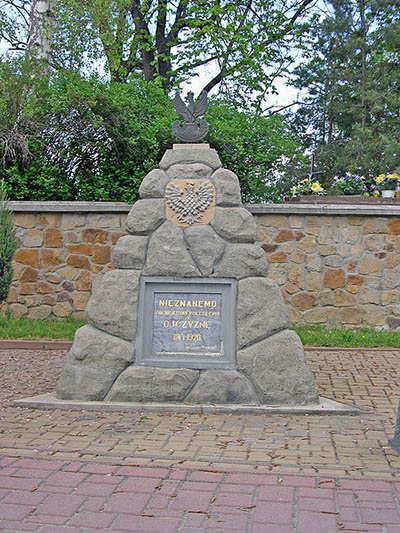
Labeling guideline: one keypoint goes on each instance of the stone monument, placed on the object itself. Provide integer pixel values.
(189, 314)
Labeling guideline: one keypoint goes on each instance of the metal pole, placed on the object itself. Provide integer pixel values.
(395, 442)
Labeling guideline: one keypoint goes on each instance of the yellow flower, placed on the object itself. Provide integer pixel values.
(316, 187)
(375, 194)
(293, 190)
(380, 178)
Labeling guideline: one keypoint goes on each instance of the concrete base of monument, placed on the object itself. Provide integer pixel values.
(324, 407)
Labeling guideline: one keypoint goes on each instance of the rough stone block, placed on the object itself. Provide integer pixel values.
(167, 253)
(394, 226)
(94, 235)
(278, 370)
(93, 363)
(78, 261)
(367, 295)
(18, 310)
(49, 219)
(113, 305)
(117, 235)
(352, 315)
(51, 258)
(27, 288)
(314, 281)
(153, 184)
(27, 257)
(62, 309)
(242, 261)
(32, 238)
(370, 265)
(235, 224)
(44, 288)
(308, 244)
(147, 384)
(22, 220)
(105, 220)
(374, 315)
(260, 310)
(193, 171)
(315, 316)
(71, 221)
(334, 278)
(303, 300)
(227, 187)
(190, 153)
(29, 274)
(130, 252)
(278, 257)
(53, 238)
(343, 298)
(80, 300)
(82, 248)
(284, 235)
(205, 246)
(39, 313)
(145, 216)
(223, 387)
(101, 254)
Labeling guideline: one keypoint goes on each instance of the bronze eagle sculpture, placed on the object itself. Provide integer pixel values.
(191, 130)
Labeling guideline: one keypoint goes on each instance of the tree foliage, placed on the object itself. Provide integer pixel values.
(352, 75)
(242, 43)
(87, 139)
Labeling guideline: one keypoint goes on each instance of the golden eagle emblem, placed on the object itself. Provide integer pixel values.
(189, 203)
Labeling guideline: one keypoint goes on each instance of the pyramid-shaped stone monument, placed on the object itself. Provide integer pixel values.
(189, 314)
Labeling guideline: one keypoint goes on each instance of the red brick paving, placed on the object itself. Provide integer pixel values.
(105, 497)
(276, 474)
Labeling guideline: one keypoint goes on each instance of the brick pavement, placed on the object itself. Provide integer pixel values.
(71, 496)
(95, 471)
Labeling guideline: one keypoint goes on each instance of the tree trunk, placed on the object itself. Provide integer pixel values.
(363, 31)
(40, 33)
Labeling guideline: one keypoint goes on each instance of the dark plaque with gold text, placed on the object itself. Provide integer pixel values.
(187, 323)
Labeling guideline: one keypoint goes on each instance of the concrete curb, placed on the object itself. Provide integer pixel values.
(49, 401)
(34, 344)
(47, 344)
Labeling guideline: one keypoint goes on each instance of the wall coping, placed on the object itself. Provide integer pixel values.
(256, 209)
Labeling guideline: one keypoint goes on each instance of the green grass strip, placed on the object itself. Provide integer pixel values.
(22, 328)
(361, 338)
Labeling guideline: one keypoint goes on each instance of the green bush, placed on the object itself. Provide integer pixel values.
(8, 245)
(86, 139)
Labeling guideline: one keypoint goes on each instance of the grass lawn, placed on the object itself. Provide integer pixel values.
(368, 338)
(22, 328)
(11, 328)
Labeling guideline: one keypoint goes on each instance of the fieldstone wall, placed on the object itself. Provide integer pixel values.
(63, 250)
(335, 265)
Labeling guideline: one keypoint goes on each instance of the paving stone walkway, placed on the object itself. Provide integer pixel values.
(69, 471)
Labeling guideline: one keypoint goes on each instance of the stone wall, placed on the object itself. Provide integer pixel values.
(335, 265)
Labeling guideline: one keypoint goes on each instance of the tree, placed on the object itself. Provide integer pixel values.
(352, 74)
(241, 43)
(8, 245)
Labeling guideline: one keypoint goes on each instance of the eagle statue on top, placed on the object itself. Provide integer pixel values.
(191, 130)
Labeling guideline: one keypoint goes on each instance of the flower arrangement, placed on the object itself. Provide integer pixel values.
(387, 182)
(307, 186)
(350, 183)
